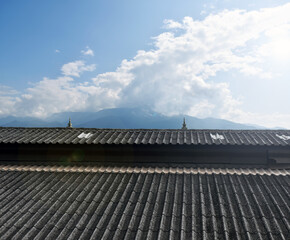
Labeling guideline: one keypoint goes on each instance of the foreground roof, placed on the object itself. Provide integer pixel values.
(143, 203)
(144, 136)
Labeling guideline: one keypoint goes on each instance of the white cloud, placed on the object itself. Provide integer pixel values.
(61, 94)
(7, 99)
(57, 51)
(177, 75)
(7, 105)
(76, 68)
(6, 90)
(88, 51)
(170, 24)
(278, 48)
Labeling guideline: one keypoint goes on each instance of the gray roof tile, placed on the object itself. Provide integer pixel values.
(124, 202)
(144, 136)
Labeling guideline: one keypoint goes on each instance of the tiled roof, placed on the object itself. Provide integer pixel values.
(143, 203)
(144, 136)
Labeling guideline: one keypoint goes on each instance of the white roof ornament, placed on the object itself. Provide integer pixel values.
(217, 136)
(283, 137)
(85, 135)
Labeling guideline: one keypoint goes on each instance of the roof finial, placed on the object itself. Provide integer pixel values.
(184, 125)
(69, 125)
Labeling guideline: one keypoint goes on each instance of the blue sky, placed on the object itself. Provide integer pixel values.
(224, 59)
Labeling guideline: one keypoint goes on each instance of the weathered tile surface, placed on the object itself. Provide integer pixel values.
(143, 203)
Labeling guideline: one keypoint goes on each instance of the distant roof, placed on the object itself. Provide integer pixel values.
(144, 136)
(143, 203)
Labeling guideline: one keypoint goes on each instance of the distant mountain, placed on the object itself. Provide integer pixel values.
(144, 118)
(122, 118)
(12, 121)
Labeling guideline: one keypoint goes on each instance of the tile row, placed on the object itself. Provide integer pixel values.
(143, 205)
(144, 136)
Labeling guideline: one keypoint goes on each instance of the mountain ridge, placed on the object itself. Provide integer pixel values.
(123, 118)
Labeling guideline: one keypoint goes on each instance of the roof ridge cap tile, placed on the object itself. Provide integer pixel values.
(150, 169)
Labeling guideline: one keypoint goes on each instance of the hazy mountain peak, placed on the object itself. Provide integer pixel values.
(123, 118)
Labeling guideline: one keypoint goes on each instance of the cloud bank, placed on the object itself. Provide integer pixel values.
(177, 76)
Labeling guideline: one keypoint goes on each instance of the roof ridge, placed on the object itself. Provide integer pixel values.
(158, 170)
(154, 129)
